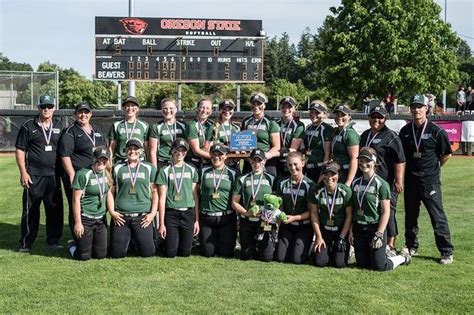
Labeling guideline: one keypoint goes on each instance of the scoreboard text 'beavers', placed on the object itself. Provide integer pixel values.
(178, 50)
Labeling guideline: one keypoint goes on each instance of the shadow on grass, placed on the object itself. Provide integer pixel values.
(10, 234)
(435, 259)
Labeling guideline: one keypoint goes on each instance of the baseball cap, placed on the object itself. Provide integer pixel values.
(135, 142)
(288, 100)
(259, 98)
(100, 152)
(226, 103)
(131, 99)
(379, 110)
(257, 153)
(365, 152)
(332, 167)
(46, 99)
(343, 109)
(318, 106)
(82, 106)
(219, 148)
(418, 99)
(180, 142)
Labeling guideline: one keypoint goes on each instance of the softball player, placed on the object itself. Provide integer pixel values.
(223, 127)
(196, 131)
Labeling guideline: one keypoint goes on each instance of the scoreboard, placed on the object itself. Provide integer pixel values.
(179, 50)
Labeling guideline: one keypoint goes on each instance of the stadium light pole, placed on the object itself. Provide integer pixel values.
(131, 12)
(445, 19)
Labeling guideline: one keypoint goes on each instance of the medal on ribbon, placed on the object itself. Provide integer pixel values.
(101, 188)
(417, 154)
(178, 184)
(215, 194)
(129, 134)
(47, 137)
(360, 198)
(133, 178)
(91, 139)
(253, 201)
(330, 204)
(294, 195)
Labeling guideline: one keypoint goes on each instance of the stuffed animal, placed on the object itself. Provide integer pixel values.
(269, 215)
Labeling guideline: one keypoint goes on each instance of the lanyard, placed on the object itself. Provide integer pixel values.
(331, 205)
(225, 132)
(47, 137)
(418, 142)
(369, 140)
(178, 185)
(172, 136)
(315, 132)
(133, 175)
(200, 129)
(294, 196)
(283, 135)
(361, 199)
(216, 185)
(255, 192)
(128, 134)
(258, 126)
(91, 139)
(101, 188)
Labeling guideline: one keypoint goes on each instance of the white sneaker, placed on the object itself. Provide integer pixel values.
(410, 251)
(446, 259)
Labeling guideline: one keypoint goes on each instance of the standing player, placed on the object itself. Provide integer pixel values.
(223, 127)
(291, 133)
(37, 161)
(391, 165)
(295, 234)
(427, 149)
(178, 202)
(317, 140)
(248, 192)
(345, 144)
(268, 132)
(196, 131)
(163, 134)
(130, 127)
(76, 147)
(217, 220)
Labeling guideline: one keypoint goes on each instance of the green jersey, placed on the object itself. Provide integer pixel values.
(94, 187)
(216, 188)
(264, 128)
(252, 187)
(342, 139)
(314, 139)
(165, 135)
(136, 198)
(334, 203)
(289, 131)
(294, 195)
(220, 133)
(121, 131)
(367, 196)
(196, 130)
(179, 182)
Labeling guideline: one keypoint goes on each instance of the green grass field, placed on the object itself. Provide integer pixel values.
(46, 281)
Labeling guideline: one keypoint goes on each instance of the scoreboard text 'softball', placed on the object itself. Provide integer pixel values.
(178, 50)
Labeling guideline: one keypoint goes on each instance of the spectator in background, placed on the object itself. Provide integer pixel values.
(430, 99)
(390, 101)
(366, 103)
(469, 99)
(460, 100)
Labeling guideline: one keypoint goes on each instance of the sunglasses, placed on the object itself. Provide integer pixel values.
(376, 117)
(48, 106)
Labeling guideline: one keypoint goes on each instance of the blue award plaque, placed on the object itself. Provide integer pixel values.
(243, 140)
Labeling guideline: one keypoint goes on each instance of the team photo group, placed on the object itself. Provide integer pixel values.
(307, 194)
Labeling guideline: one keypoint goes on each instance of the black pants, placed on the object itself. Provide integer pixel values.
(120, 237)
(179, 232)
(93, 242)
(194, 162)
(430, 195)
(281, 168)
(330, 255)
(313, 173)
(46, 189)
(250, 247)
(343, 175)
(217, 235)
(270, 167)
(68, 192)
(294, 242)
(366, 256)
(392, 227)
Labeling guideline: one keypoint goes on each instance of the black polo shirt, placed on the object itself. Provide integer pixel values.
(434, 145)
(389, 151)
(75, 144)
(40, 160)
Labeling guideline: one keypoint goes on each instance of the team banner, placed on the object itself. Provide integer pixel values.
(107, 25)
(453, 128)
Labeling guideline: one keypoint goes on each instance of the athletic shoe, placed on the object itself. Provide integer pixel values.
(71, 247)
(351, 258)
(55, 246)
(24, 250)
(407, 257)
(411, 251)
(446, 259)
(390, 251)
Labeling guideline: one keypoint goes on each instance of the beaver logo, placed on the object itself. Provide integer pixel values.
(134, 26)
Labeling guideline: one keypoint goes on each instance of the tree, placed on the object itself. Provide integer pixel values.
(280, 59)
(370, 45)
(6, 64)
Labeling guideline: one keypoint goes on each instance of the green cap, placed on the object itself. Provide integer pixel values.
(46, 99)
(418, 99)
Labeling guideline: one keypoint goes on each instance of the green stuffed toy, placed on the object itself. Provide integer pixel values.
(269, 215)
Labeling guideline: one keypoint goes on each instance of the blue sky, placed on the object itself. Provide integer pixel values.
(62, 31)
